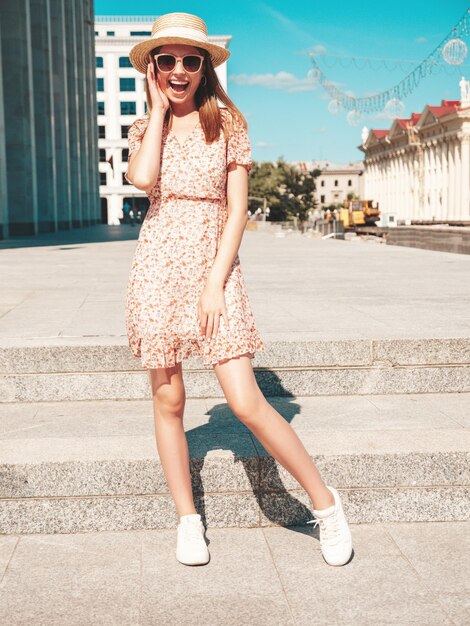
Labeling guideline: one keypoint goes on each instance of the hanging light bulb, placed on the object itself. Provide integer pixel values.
(394, 108)
(454, 52)
(354, 117)
(313, 74)
(334, 106)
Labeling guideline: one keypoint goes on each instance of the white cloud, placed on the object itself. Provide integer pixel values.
(281, 80)
(317, 50)
(264, 144)
(421, 39)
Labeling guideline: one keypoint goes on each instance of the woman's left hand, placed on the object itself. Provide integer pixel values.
(211, 306)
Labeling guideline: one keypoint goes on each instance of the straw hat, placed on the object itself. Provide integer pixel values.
(181, 28)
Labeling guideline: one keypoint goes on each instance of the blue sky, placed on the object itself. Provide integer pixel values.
(271, 37)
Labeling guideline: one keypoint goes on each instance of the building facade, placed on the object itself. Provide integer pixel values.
(48, 130)
(419, 169)
(121, 100)
(336, 181)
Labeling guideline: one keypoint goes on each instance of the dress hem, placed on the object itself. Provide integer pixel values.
(153, 356)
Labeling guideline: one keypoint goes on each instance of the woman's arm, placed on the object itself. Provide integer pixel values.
(237, 209)
(212, 301)
(144, 165)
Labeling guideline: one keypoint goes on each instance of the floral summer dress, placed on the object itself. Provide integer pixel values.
(176, 248)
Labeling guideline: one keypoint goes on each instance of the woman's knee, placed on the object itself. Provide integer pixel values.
(170, 402)
(240, 388)
(247, 410)
(168, 390)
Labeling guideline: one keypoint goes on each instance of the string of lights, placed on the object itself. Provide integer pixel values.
(376, 63)
(451, 49)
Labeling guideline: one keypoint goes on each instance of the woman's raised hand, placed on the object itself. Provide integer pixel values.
(159, 99)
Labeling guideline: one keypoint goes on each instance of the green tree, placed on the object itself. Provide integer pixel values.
(289, 191)
(264, 182)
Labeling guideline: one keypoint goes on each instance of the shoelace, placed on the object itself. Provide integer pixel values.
(330, 529)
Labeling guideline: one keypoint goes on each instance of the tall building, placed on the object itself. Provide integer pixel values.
(121, 100)
(419, 169)
(336, 181)
(48, 130)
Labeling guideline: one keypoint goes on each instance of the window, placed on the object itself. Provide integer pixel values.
(96, 33)
(110, 33)
(101, 132)
(125, 62)
(349, 183)
(322, 183)
(102, 155)
(322, 199)
(141, 33)
(124, 180)
(99, 61)
(100, 84)
(145, 107)
(127, 84)
(128, 108)
(336, 183)
(100, 108)
(103, 180)
(124, 131)
(125, 155)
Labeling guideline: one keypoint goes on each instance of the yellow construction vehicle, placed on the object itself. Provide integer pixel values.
(359, 213)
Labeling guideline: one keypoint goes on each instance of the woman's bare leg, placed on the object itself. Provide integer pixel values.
(169, 398)
(277, 436)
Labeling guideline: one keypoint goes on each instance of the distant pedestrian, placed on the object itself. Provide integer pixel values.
(126, 212)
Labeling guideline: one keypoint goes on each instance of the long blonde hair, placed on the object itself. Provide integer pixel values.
(212, 121)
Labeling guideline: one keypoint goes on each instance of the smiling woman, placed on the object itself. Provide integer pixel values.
(186, 295)
(184, 151)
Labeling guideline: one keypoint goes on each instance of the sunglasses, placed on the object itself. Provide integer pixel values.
(167, 62)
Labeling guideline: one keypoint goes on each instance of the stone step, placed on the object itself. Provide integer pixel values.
(90, 466)
(104, 369)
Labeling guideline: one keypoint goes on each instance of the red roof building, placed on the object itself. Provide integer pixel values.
(419, 168)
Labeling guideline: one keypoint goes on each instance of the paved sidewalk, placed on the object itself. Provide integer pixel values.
(400, 574)
(70, 287)
(300, 288)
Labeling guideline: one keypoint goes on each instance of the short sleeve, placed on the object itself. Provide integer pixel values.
(135, 135)
(238, 146)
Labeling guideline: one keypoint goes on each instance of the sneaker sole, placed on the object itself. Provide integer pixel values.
(192, 563)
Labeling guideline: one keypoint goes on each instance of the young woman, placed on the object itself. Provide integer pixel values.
(186, 293)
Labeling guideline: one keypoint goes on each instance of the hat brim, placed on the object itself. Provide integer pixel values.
(139, 53)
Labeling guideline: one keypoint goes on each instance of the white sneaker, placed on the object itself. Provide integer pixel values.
(335, 536)
(191, 547)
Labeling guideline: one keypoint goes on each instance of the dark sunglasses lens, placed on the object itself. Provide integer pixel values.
(166, 62)
(192, 63)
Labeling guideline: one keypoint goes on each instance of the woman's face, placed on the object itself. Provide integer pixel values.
(179, 74)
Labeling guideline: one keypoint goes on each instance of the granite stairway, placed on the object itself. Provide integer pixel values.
(386, 421)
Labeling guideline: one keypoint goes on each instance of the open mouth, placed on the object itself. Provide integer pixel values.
(178, 87)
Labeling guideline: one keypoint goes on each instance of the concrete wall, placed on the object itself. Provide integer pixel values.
(441, 238)
(49, 148)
